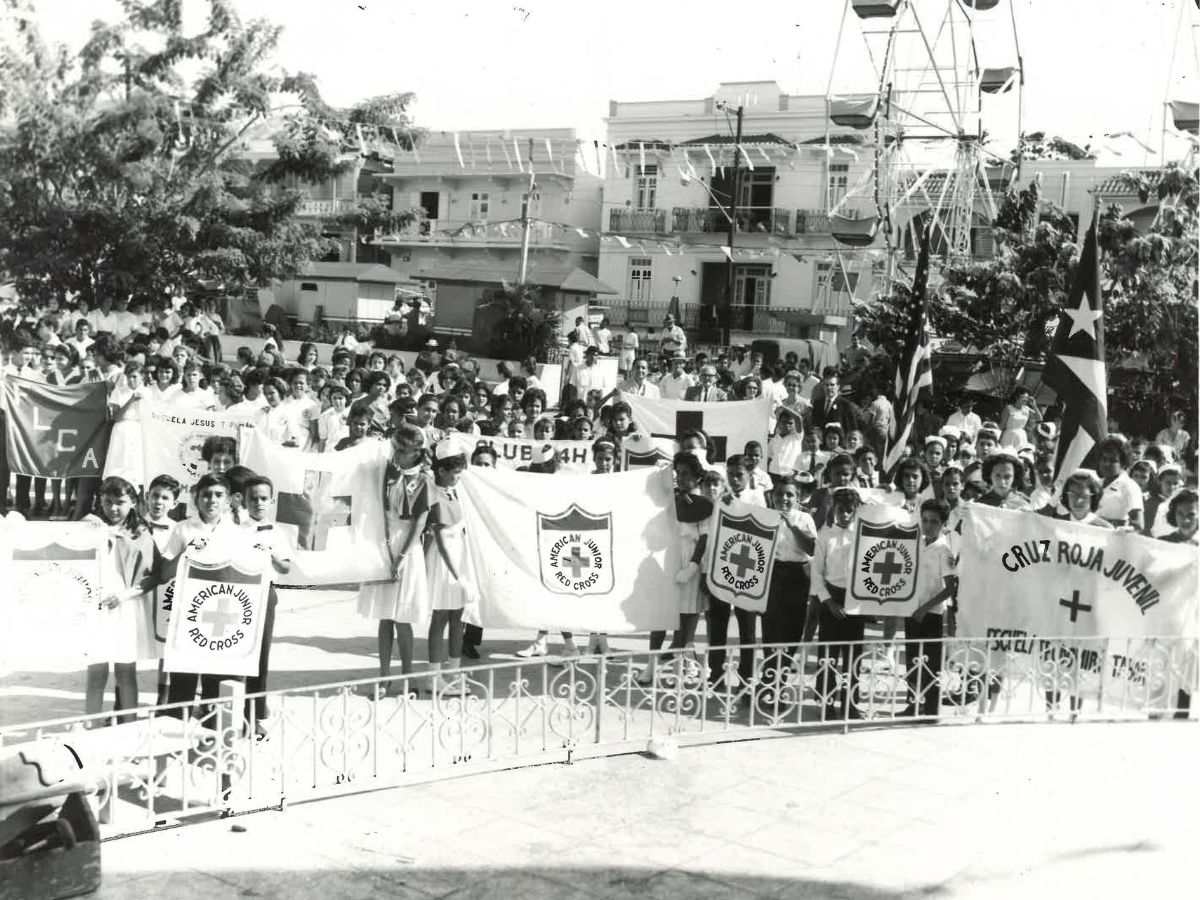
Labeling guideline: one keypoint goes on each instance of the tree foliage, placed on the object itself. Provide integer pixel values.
(524, 326)
(1006, 308)
(125, 166)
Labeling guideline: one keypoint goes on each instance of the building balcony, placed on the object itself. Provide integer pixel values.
(750, 220)
(812, 221)
(756, 320)
(455, 233)
(324, 209)
(638, 221)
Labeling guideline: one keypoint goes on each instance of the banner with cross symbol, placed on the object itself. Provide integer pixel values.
(216, 623)
(884, 577)
(729, 425)
(575, 552)
(329, 506)
(743, 540)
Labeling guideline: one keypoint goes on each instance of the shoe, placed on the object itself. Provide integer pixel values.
(451, 687)
(646, 677)
(537, 648)
(569, 652)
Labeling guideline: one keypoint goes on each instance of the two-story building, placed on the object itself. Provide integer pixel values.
(471, 186)
(667, 194)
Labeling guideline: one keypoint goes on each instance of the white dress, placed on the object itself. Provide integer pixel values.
(124, 633)
(444, 591)
(124, 456)
(407, 501)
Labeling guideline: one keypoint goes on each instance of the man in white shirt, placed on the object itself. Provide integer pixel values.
(740, 364)
(638, 385)
(808, 380)
(102, 318)
(676, 382)
(589, 376)
(83, 339)
(125, 323)
(965, 420)
(674, 340)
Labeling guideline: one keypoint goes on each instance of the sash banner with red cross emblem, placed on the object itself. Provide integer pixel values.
(885, 566)
(216, 623)
(742, 557)
(575, 552)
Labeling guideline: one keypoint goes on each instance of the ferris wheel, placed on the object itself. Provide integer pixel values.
(930, 92)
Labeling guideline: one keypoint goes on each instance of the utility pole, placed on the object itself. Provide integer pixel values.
(526, 200)
(727, 312)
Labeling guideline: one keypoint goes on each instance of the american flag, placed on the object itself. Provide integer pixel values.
(1075, 368)
(914, 372)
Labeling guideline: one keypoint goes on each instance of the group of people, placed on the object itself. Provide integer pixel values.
(821, 461)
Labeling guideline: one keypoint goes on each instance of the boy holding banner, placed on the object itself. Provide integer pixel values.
(924, 628)
(212, 525)
(258, 496)
(827, 618)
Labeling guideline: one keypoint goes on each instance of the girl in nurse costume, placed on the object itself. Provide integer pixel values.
(450, 573)
(408, 493)
(121, 631)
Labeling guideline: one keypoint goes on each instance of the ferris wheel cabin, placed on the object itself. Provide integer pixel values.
(875, 9)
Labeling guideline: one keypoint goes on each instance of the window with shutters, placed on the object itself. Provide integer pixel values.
(838, 181)
(639, 279)
(479, 206)
(645, 188)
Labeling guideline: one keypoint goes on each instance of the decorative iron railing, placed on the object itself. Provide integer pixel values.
(750, 220)
(638, 221)
(168, 764)
(812, 221)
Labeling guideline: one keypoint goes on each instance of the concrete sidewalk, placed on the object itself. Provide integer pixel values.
(998, 811)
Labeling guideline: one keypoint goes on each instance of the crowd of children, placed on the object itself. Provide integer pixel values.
(821, 460)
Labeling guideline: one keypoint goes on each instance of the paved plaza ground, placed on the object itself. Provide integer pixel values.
(989, 811)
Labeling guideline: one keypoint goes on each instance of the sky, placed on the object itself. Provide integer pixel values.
(1093, 67)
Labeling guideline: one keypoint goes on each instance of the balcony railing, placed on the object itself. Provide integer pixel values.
(812, 221)
(759, 320)
(325, 208)
(750, 220)
(641, 221)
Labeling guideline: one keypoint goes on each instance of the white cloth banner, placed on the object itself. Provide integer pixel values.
(1026, 577)
(728, 425)
(51, 573)
(330, 505)
(575, 456)
(574, 552)
(174, 438)
(217, 624)
(741, 556)
(884, 569)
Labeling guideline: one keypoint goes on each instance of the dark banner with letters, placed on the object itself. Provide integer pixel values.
(56, 432)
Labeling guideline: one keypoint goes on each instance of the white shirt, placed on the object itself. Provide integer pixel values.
(197, 399)
(788, 550)
(807, 386)
(586, 378)
(936, 565)
(223, 533)
(81, 345)
(304, 411)
(331, 428)
(646, 389)
(276, 424)
(672, 388)
(266, 537)
(245, 407)
(126, 324)
(603, 340)
(830, 558)
(1119, 498)
(968, 424)
(103, 321)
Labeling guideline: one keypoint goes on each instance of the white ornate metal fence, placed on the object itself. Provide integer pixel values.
(166, 764)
